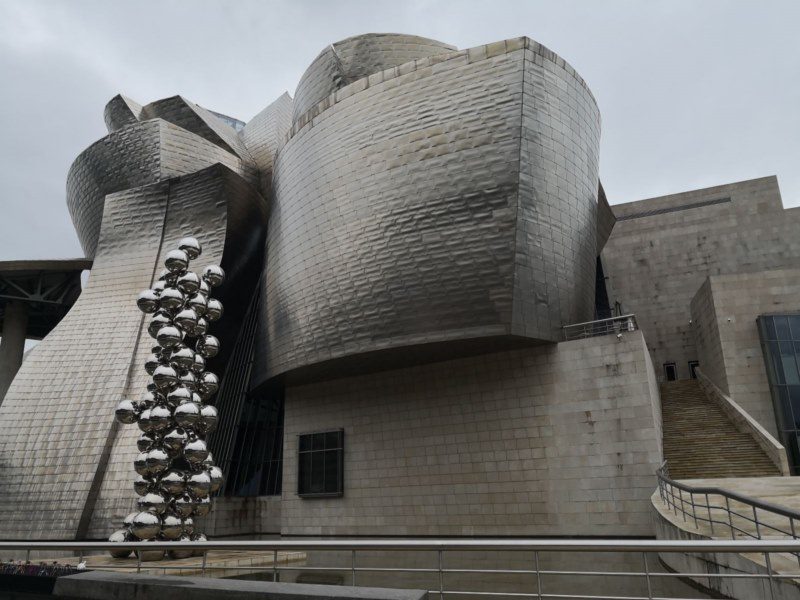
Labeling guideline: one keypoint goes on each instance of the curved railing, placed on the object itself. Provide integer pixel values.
(738, 514)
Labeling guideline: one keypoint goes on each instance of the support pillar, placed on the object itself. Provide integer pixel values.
(12, 343)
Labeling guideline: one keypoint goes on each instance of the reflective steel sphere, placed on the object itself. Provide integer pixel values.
(199, 484)
(150, 555)
(213, 275)
(217, 478)
(199, 537)
(204, 289)
(198, 303)
(182, 357)
(191, 246)
(199, 364)
(182, 553)
(140, 464)
(145, 442)
(147, 301)
(178, 396)
(173, 483)
(208, 418)
(208, 462)
(158, 321)
(171, 527)
(195, 451)
(208, 346)
(174, 441)
(209, 382)
(146, 525)
(189, 283)
(152, 502)
(188, 525)
(157, 460)
(186, 320)
(144, 421)
(119, 536)
(188, 380)
(150, 398)
(184, 505)
(169, 279)
(176, 261)
(128, 520)
(165, 377)
(160, 418)
(141, 485)
(171, 298)
(214, 310)
(127, 412)
(203, 507)
(201, 328)
(158, 287)
(151, 363)
(187, 414)
(169, 336)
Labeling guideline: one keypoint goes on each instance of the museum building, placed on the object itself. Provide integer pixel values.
(435, 322)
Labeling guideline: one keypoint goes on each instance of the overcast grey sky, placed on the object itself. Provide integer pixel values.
(692, 93)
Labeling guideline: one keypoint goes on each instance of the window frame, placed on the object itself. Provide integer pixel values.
(339, 464)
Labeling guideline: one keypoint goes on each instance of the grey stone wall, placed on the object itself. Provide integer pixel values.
(556, 440)
(656, 261)
(724, 315)
(451, 198)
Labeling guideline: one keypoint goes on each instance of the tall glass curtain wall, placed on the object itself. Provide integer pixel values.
(780, 342)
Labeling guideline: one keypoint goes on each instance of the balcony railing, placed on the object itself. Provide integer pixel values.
(613, 325)
(536, 555)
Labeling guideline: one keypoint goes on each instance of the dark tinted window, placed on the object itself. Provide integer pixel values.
(320, 464)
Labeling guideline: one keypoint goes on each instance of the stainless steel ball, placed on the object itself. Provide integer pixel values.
(169, 336)
(151, 362)
(191, 246)
(176, 261)
(199, 484)
(184, 505)
(150, 555)
(147, 301)
(186, 319)
(168, 278)
(217, 478)
(199, 537)
(127, 412)
(178, 396)
(188, 525)
(171, 298)
(204, 289)
(209, 417)
(189, 283)
(140, 464)
(213, 275)
(208, 346)
(150, 398)
(182, 357)
(144, 421)
(176, 553)
(201, 328)
(159, 286)
(160, 418)
(174, 441)
(214, 310)
(208, 462)
(119, 536)
(188, 380)
(187, 414)
(209, 383)
(158, 461)
(195, 451)
(152, 502)
(128, 520)
(141, 485)
(171, 527)
(165, 377)
(145, 442)
(146, 525)
(173, 483)
(199, 364)
(198, 303)
(158, 321)
(203, 507)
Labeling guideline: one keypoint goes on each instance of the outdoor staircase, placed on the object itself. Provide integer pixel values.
(700, 441)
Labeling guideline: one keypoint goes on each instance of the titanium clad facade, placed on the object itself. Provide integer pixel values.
(451, 199)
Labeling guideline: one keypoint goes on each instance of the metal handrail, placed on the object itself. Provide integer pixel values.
(485, 546)
(575, 331)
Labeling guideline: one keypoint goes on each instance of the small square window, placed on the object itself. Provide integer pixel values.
(320, 464)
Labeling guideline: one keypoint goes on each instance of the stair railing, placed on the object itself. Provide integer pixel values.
(739, 516)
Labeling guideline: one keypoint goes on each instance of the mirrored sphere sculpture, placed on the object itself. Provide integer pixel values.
(176, 472)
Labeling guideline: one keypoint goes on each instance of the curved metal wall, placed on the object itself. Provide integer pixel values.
(356, 57)
(454, 198)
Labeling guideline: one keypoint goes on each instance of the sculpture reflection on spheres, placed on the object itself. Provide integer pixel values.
(176, 473)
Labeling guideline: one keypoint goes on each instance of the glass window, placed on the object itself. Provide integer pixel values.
(794, 326)
(788, 363)
(320, 464)
(782, 328)
(769, 328)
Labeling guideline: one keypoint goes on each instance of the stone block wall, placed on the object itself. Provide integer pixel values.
(554, 440)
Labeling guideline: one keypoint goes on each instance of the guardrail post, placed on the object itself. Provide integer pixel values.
(441, 577)
(683, 508)
(730, 517)
(769, 574)
(647, 577)
(28, 556)
(694, 514)
(353, 567)
(710, 519)
(755, 518)
(275, 565)
(138, 562)
(538, 576)
(203, 568)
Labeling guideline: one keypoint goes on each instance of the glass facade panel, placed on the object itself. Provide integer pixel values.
(320, 464)
(780, 342)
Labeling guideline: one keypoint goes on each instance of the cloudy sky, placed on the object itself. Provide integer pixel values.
(692, 93)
